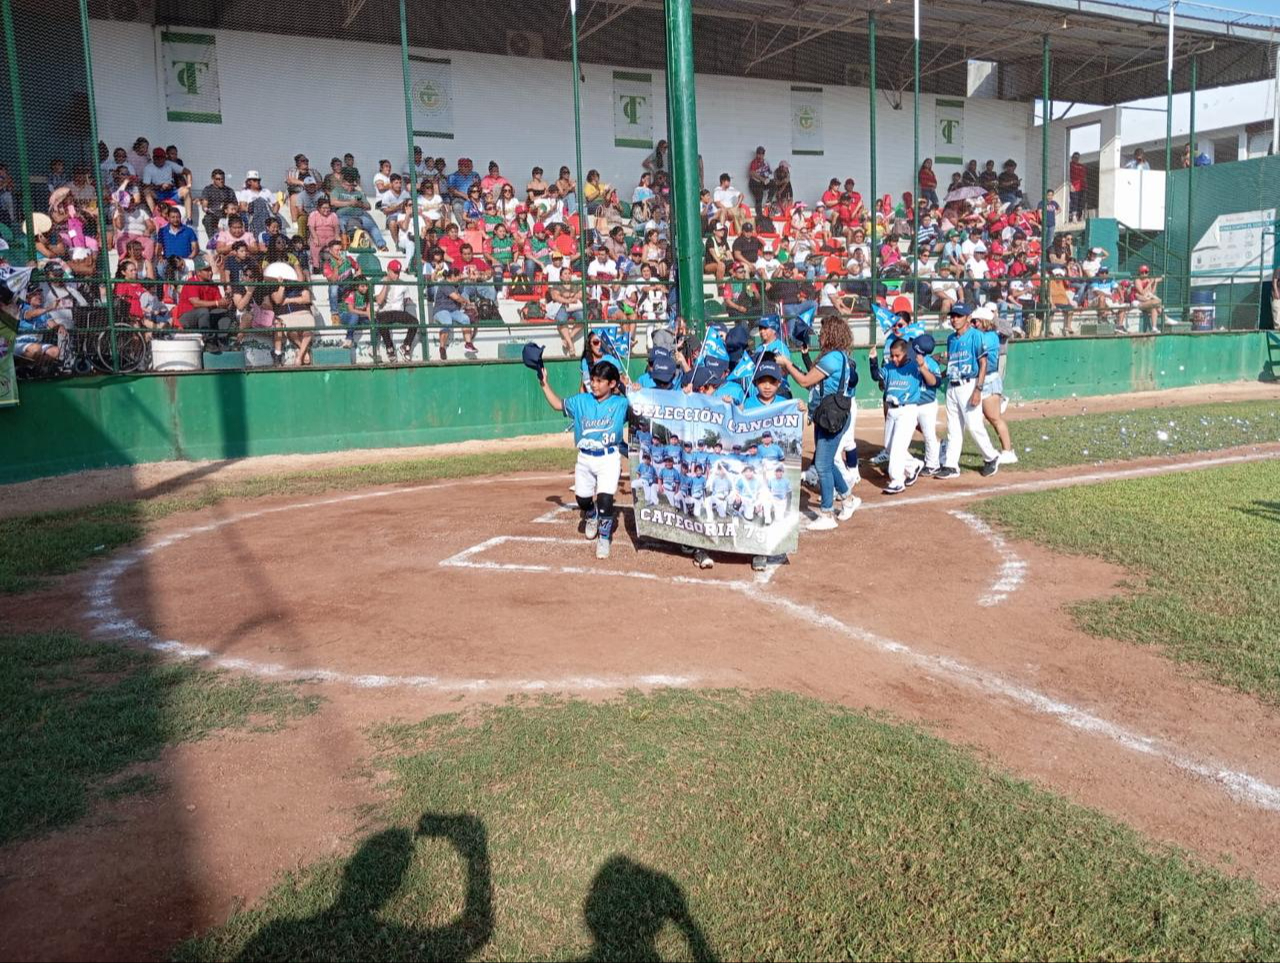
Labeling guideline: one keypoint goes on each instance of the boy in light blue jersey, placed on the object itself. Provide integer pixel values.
(966, 372)
(721, 489)
(905, 375)
(647, 476)
(750, 496)
(769, 449)
(780, 490)
(669, 483)
(599, 419)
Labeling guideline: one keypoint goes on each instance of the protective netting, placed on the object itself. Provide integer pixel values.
(371, 185)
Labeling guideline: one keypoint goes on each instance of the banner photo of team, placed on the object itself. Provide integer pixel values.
(707, 474)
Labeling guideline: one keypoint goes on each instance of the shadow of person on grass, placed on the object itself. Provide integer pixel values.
(1268, 511)
(351, 928)
(627, 907)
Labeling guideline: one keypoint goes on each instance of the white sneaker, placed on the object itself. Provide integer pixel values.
(602, 548)
(851, 503)
(894, 490)
(759, 563)
(823, 523)
(593, 526)
(1008, 458)
(702, 559)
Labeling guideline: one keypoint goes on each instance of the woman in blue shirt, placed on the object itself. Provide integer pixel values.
(833, 374)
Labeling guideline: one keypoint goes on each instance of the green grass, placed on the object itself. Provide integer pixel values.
(1205, 550)
(729, 826)
(76, 715)
(36, 547)
(1084, 438)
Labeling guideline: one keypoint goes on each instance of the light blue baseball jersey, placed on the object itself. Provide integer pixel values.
(902, 383)
(780, 487)
(963, 352)
(646, 381)
(721, 484)
(991, 344)
(597, 425)
(646, 472)
(771, 451)
(929, 393)
(731, 390)
(748, 488)
(670, 478)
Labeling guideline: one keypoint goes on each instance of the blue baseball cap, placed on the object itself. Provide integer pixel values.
(924, 344)
(768, 369)
(532, 356)
(737, 339)
(663, 368)
(960, 309)
(704, 376)
(771, 321)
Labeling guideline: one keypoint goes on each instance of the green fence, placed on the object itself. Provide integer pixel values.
(122, 420)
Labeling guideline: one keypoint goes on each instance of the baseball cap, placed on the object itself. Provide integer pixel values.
(539, 228)
(768, 368)
(159, 152)
(924, 344)
(1144, 269)
(1058, 272)
(200, 263)
(394, 266)
(308, 180)
(252, 176)
(771, 321)
(984, 313)
(960, 309)
(663, 368)
(704, 376)
(1104, 270)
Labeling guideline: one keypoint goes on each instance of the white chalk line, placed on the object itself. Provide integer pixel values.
(556, 516)
(1066, 481)
(1013, 567)
(109, 621)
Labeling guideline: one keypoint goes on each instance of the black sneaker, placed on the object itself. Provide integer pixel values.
(913, 477)
(989, 468)
(929, 472)
(945, 472)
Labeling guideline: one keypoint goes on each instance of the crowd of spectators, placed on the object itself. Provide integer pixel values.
(281, 253)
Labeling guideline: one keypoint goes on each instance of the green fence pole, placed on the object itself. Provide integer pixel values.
(915, 158)
(875, 197)
(419, 253)
(1191, 169)
(581, 189)
(685, 183)
(1046, 114)
(1168, 152)
(104, 257)
(19, 123)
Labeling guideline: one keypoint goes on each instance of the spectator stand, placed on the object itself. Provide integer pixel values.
(836, 192)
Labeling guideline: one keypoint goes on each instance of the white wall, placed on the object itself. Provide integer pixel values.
(283, 95)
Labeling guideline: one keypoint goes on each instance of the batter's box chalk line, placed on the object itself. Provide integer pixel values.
(109, 621)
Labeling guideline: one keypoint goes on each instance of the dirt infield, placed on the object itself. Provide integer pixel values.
(401, 602)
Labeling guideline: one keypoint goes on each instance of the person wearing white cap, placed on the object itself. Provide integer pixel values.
(256, 203)
(993, 400)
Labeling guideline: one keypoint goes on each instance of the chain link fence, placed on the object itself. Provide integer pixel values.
(371, 185)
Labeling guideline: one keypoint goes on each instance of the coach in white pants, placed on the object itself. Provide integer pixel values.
(966, 370)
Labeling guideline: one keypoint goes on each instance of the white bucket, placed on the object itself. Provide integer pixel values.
(183, 352)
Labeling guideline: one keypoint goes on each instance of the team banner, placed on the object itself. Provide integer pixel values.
(948, 131)
(190, 65)
(708, 474)
(431, 93)
(806, 120)
(8, 344)
(632, 109)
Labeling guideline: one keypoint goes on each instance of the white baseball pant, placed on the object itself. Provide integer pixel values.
(928, 420)
(848, 443)
(597, 474)
(902, 426)
(961, 418)
(650, 492)
(673, 498)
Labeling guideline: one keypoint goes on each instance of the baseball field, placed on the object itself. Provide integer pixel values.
(388, 705)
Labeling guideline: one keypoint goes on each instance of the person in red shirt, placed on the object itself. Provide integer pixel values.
(202, 307)
(451, 243)
(1077, 176)
(564, 242)
(929, 182)
(831, 196)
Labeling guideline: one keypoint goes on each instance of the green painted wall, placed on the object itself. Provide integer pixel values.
(71, 425)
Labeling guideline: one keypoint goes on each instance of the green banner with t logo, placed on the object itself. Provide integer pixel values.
(948, 132)
(632, 109)
(190, 65)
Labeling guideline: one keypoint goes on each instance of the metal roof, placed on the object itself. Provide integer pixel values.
(1103, 53)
